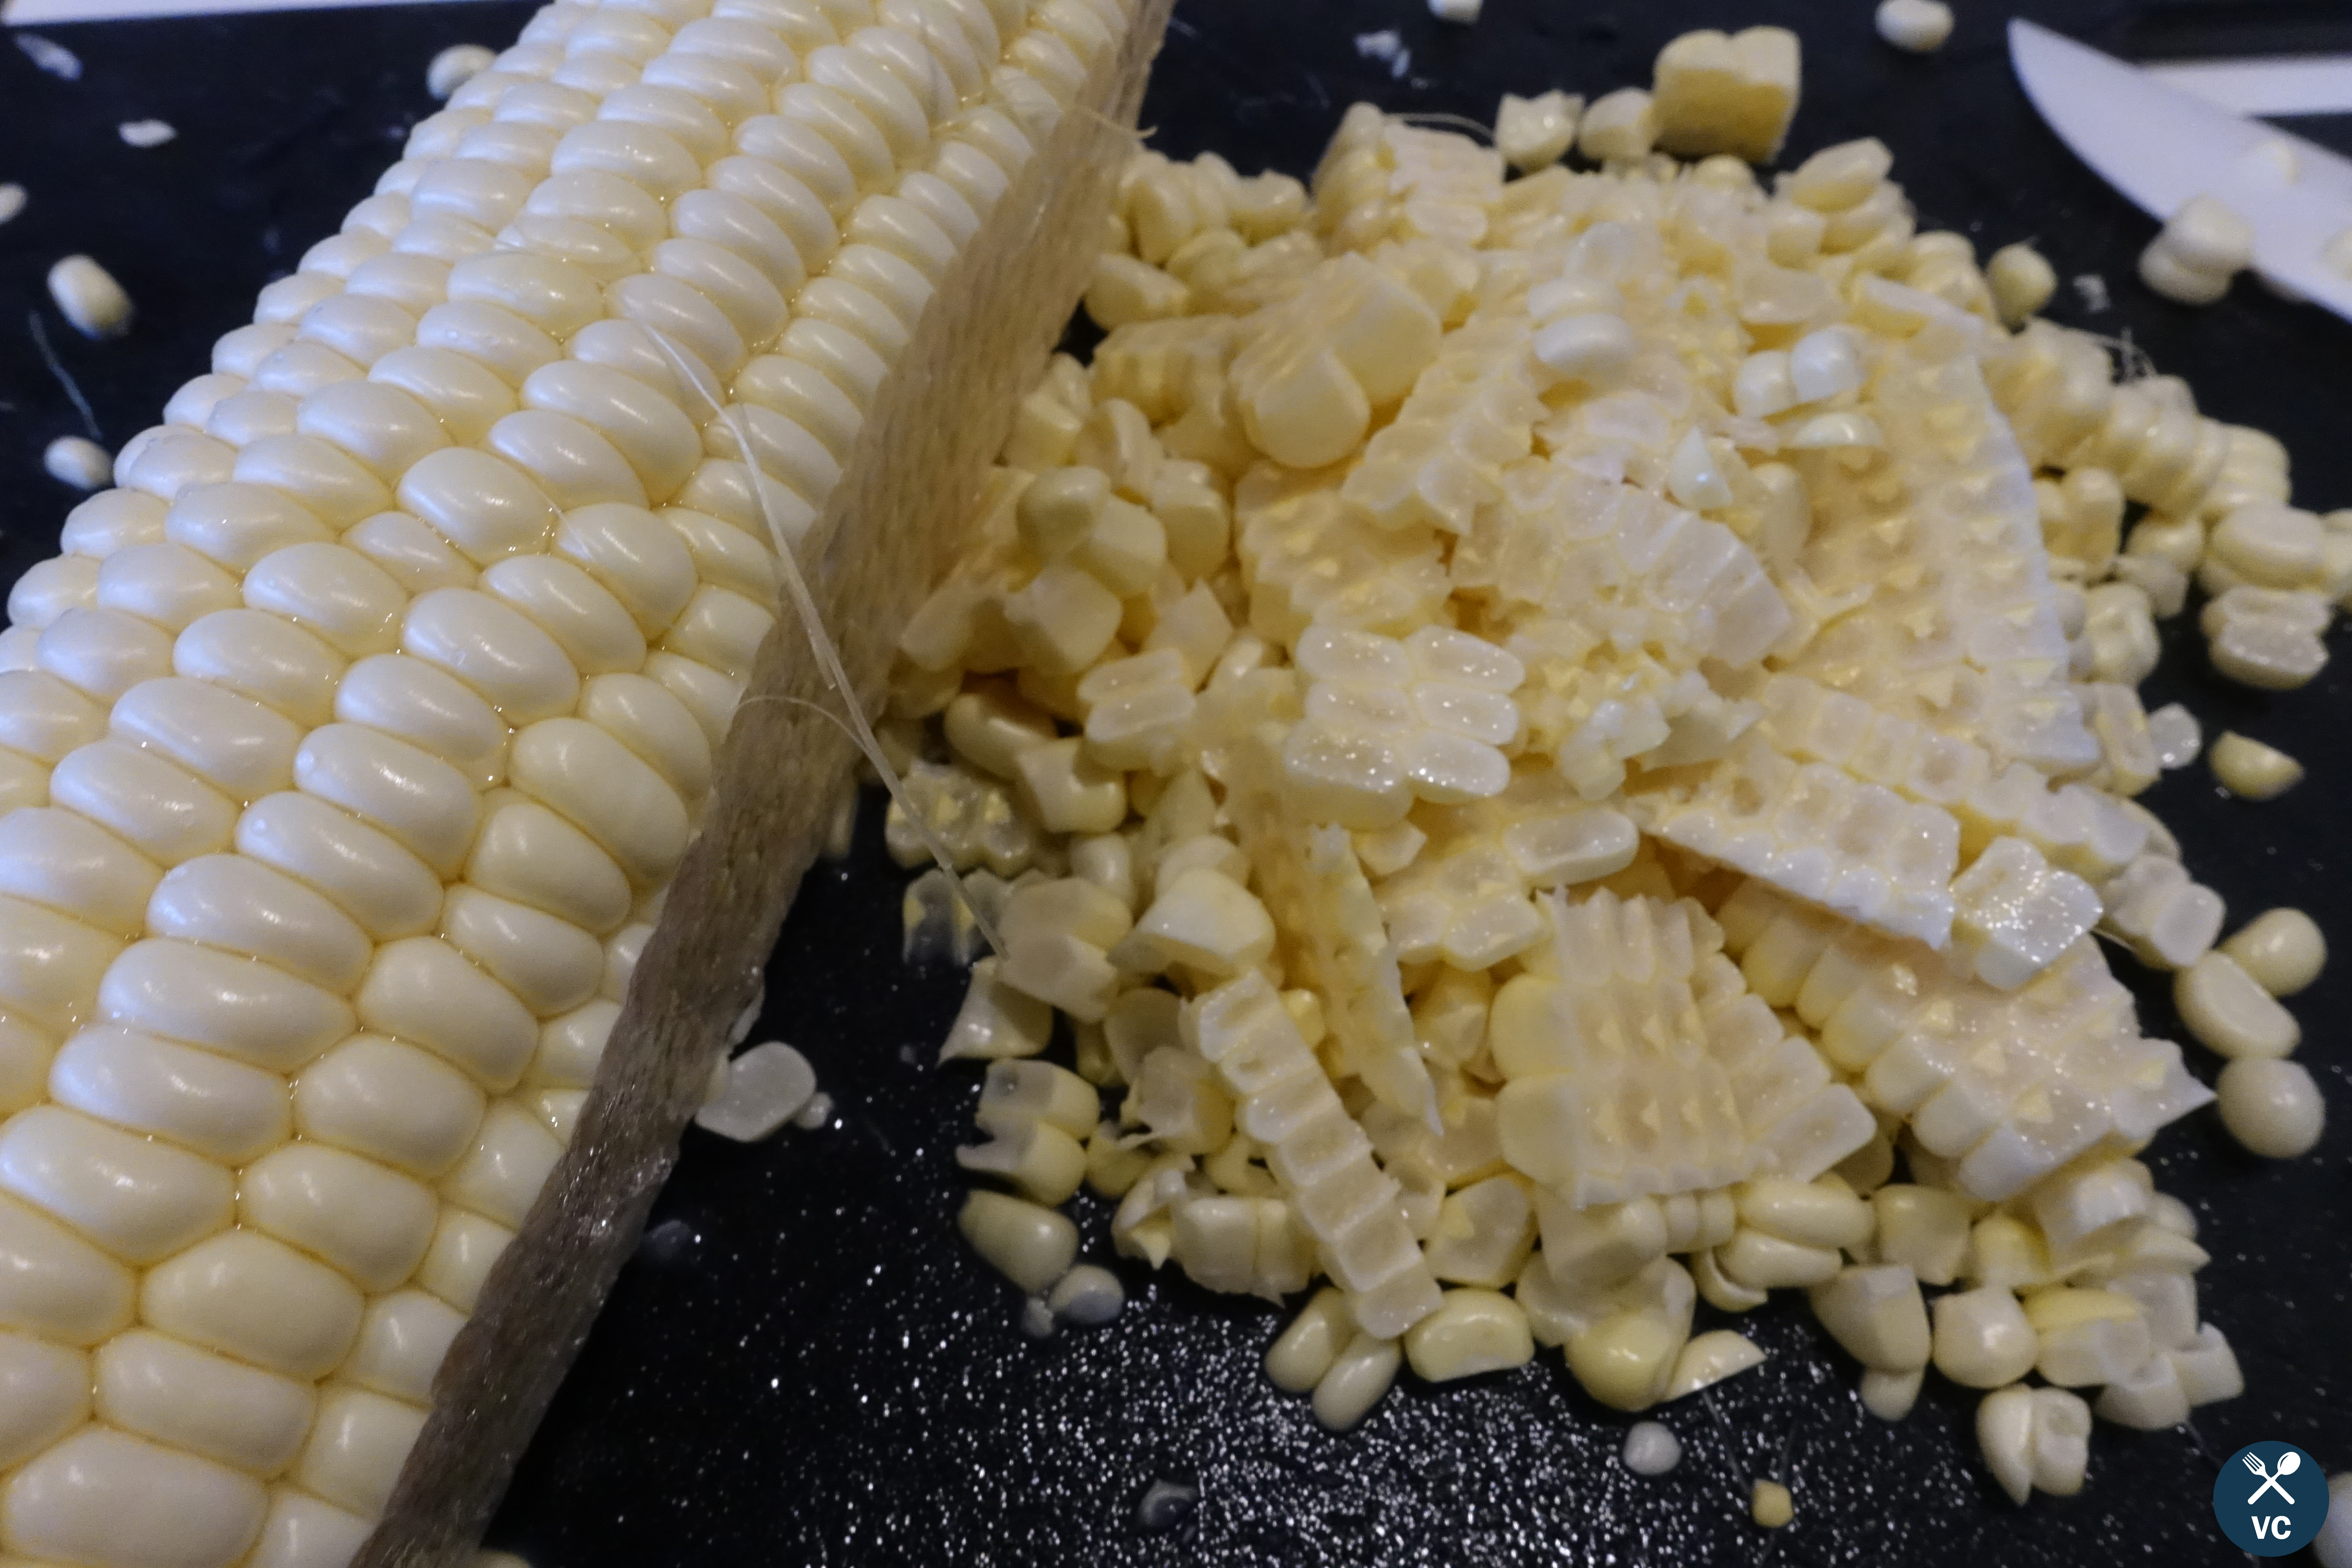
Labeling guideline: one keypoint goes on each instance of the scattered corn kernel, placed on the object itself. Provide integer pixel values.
(1771, 1506)
(1725, 93)
(2272, 1107)
(767, 1085)
(2230, 1013)
(1472, 1331)
(2251, 769)
(1305, 1350)
(2282, 950)
(1620, 126)
(1087, 1297)
(78, 462)
(1536, 132)
(2005, 1437)
(2200, 249)
(1920, 27)
(90, 298)
(1651, 1449)
(1878, 1315)
(1889, 1395)
(1357, 1380)
(1032, 1247)
(1710, 1358)
(2020, 277)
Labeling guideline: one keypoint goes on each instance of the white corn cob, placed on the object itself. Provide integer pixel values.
(353, 742)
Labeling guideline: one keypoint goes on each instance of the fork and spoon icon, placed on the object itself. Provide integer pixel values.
(2289, 1462)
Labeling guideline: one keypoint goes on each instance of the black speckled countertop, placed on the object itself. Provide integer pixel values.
(804, 1365)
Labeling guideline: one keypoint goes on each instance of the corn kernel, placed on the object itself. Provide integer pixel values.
(2282, 950)
(1710, 1358)
(1032, 1247)
(2251, 769)
(1919, 27)
(1620, 126)
(2272, 1107)
(1726, 94)
(1472, 1331)
(1981, 1338)
(1536, 132)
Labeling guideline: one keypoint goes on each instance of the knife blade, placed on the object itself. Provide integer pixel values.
(2160, 146)
(2284, 84)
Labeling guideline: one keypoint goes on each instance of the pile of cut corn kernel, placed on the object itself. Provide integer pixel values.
(1569, 743)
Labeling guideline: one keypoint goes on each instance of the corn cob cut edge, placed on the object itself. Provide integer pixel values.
(943, 411)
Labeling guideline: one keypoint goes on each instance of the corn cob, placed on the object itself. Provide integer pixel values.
(355, 742)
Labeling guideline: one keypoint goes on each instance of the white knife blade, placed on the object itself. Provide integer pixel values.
(2287, 84)
(2160, 146)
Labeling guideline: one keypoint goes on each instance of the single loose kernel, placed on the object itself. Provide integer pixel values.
(1463, 11)
(1771, 1506)
(2251, 769)
(1620, 126)
(454, 67)
(2200, 249)
(1920, 26)
(1731, 93)
(1166, 1505)
(1029, 1245)
(2230, 1013)
(2282, 950)
(2005, 1437)
(78, 462)
(1889, 1395)
(11, 200)
(1534, 133)
(2061, 1442)
(2177, 736)
(145, 134)
(1878, 1315)
(2272, 1107)
(1357, 1380)
(1651, 1449)
(1472, 1331)
(1305, 1350)
(2020, 277)
(2207, 236)
(1710, 1358)
(90, 298)
(1087, 1297)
